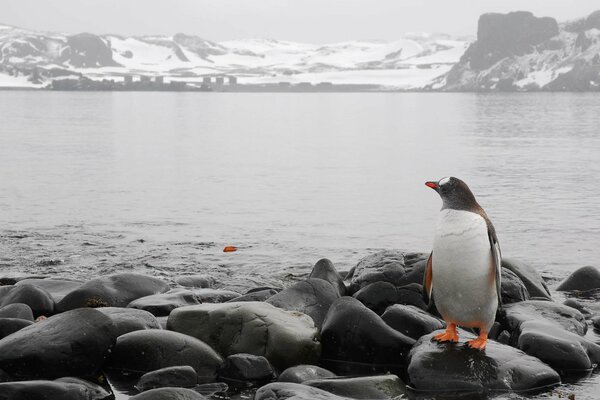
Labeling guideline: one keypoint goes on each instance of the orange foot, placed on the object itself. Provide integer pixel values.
(449, 336)
(478, 343)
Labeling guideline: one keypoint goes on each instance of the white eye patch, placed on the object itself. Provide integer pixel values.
(443, 181)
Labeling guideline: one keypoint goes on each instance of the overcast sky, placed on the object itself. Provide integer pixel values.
(318, 21)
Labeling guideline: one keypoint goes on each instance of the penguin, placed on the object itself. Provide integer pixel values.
(462, 276)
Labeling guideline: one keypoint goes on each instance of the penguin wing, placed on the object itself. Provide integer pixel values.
(496, 259)
(428, 282)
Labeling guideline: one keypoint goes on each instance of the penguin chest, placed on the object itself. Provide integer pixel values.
(463, 279)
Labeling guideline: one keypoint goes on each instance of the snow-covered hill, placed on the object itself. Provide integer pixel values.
(413, 61)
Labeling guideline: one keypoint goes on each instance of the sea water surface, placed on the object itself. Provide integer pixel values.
(94, 183)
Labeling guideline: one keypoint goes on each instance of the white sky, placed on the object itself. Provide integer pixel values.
(318, 21)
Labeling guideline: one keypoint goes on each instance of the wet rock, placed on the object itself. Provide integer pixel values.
(178, 376)
(112, 291)
(302, 373)
(12, 325)
(162, 304)
(152, 349)
(585, 278)
(414, 265)
(377, 296)
(385, 266)
(596, 322)
(245, 370)
(38, 299)
(325, 270)
(312, 297)
(58, 288)
(364, 387)
(411, 321)
(196, 281)
(529, 276)
(512, 288)
(354, 335)
(67, 389)
(412, 294)
(127, 320)
(17, 310)
(215, 295)
(74, 343)
(260, 295)
(293, 391)
(285, 338)
(578, 306)
(169, 394)
(557, 314)
(435, 367)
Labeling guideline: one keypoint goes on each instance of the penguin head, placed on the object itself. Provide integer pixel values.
(455, 193)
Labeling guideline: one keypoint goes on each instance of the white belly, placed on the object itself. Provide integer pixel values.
(463, 284)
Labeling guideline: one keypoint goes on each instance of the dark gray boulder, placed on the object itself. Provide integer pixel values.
(302, 373)
(585, 278)
(596, 322)
(513, 315)
(354, 336)
(67, 389)
(260, 295)
(512, 288)
(312, 297)
(294, 391)
(529, 276)
(196, 281)
(324, 269)
(12, 325)
(152, 349)
(585, 311)
(178, 376)
(246, 370)
(38, 299)
(215, 295)
(112, 291)
(58, 288)
(377, 296)
(386, 266)
(74, 343)
(455, 368)
(411, 321)
(364, 387)
(17, 310)
(127, 320)
(169, 394)
(163, 303)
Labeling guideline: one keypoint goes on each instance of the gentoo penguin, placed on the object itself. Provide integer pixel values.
(462, 276)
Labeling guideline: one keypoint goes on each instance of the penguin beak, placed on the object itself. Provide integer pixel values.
(432, 185)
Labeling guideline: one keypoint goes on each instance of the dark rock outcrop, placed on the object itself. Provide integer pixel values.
(385, 266)
(529, 276)
(245, 370)
(86, 50)
(178, 376)
(324, 269)
(585, 278)
(302, 373)
(364, 387)
(512, 288)
(411, 321)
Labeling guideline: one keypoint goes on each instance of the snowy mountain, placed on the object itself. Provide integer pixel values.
(29, 58)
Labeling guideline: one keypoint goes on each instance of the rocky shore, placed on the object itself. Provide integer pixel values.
(365, 334)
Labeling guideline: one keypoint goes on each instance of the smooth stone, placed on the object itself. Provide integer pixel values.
(11, 325)
(128, 320)
(512, 288)
(178, 376)
(116, 290)
(579, 307)
(452, 368)
(411, 321)
(363, 387)
(152, 349)
(162, 304)
(377, 296)
(261, 295)
(302, 373)
(285, 338)
(169, 394)
(74, 343)
(529, 276)
(354, 336)
(324, 269)
(386, 266)
(293, 391)
(261, 288)
(38, 299)
(196, 281)
(583, 279)
(312, 297)
(412, 294)
(17, 310)
(61, 389)
(58, 288)
(513, 315)
(215, 295)
(596, 322)
(247, 370)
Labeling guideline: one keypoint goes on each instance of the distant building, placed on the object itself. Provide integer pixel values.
(232, 80)
(144, 79)
(220, 80)
(206, 80)
(159, 80)
(128, 80)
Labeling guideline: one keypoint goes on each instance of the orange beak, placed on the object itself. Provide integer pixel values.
(432, 185)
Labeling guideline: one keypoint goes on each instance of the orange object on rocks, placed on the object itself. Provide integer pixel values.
(229, 249)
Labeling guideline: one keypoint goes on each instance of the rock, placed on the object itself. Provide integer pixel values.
(196, 281)
(152, 349)
(414, 265)
(69, 389)
(245, 370)
(74, 343)
(435, 367)
(353, 335)
(293, 391)
(557, 314)
(529, 276)
(260, 295)
(512, 288)
(12, 325)
(38, 299)
(58, 288)
(386, 266)
(86, 50)
(215, 295)
(411, 321)
(377, 296)
(593, 21)
(302, 373)
(412, 294)
(178, 376)
(285, 338)
(312, 297)
(112, 291)
(364, 387)
(579, 307)
(325, 270)
(585, 278)
(596, 322)
(169, 394)
(127, 320)
(17, 310)
(163, 303)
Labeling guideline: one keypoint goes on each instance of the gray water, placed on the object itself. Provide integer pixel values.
(93, 183)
